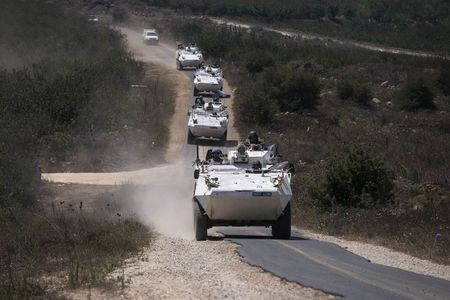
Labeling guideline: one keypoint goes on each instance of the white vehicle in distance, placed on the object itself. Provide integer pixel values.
(188, 57)
(150, 36)
(208, 79)
(247, 187)
(207, 120)
(93, 18)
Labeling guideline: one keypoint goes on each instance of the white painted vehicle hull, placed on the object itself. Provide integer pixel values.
(208, 87)
(194, 63)
(207, 131)
(243, 206)
(151, 41)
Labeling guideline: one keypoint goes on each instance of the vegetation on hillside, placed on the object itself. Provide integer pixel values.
(411, 24)
(66, 103)
(65, 89)
(302, 96)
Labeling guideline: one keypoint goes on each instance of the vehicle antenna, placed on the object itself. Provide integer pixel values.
(198, 159)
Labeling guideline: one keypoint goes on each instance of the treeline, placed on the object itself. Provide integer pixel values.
(400, 23)
(386, 11)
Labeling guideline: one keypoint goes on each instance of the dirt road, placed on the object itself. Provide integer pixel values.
(175, 266)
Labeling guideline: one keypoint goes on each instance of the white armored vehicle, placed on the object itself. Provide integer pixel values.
(207, 120)
(188, 57)
(247, 187)
(150, 36)
(208, 79)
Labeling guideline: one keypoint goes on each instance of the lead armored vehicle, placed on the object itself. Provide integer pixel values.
(188, 57)
(246, 187)
(207, 120)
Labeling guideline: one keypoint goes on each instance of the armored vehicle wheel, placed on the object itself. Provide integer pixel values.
(190, 138)
(200, 223)
(179, 66)
(282, 228)
(195, 92)
(224, 136)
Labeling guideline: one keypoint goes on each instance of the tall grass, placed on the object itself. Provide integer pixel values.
(65, 90)
(77, 242)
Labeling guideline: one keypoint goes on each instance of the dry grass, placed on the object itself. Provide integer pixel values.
(67, 243)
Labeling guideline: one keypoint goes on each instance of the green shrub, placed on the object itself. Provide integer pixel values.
(258, 61)
(356, 91)
(415, 95)
(254, 107)
(294, 90)
(357, 179)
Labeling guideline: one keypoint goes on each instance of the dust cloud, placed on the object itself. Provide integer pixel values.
(164, 202)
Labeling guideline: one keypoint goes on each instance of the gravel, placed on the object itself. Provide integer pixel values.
(179, 268)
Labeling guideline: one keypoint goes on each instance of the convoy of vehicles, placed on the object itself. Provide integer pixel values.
(249, 185)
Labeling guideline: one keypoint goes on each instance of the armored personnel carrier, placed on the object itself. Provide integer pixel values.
(208, 79)
(188, 57)
(207, 120)
(246, 187)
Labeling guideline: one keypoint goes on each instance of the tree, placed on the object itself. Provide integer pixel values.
(358, 178)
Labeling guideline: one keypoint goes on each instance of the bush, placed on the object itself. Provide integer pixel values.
(294, 90)
(355, 91)
(257, 61)
(357, 179)
(415, 95)
(253, 107)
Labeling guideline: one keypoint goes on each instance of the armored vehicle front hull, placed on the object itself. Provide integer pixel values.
(230, 196)
(213, 86)
(190, 63)
(207, 131)
(243, 207)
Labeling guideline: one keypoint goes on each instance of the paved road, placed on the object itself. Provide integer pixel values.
(332, 269)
